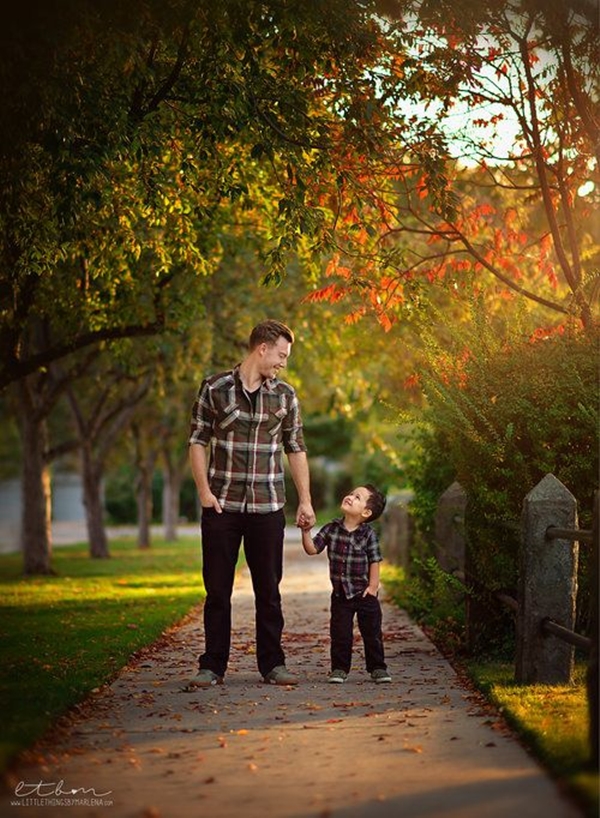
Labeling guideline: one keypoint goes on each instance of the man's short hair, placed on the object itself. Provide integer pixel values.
(376, 502)
(267, 332)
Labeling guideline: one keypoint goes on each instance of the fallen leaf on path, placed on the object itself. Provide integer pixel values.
(352, 704)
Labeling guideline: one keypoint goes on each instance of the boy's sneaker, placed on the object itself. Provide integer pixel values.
(280, 675)
(380, 676)
(204, 678)
(337, 677)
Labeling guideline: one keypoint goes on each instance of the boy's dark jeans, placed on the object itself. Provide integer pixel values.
(368, 614)
(222, 535)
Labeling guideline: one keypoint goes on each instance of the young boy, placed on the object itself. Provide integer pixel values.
(354, 557)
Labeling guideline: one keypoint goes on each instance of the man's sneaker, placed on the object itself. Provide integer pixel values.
(380, 676)
(280, 675)
(204, 678)
(337, 677)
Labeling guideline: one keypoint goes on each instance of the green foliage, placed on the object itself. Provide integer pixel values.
(429, 471)
(433, 597)
(189, 502)
(508, 411)
(103, 610)
(328, 436)
(139, 141)
(119, 496)
(503, 411)
(120, 501)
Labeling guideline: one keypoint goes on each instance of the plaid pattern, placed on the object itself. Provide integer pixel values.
(246, 446)
(350, 554)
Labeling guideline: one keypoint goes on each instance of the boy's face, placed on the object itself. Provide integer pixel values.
(355, 502)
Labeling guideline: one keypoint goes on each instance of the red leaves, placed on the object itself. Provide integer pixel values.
(412, 382)
(332, 293)
(334, 268)
(542, 333)
(421, 187)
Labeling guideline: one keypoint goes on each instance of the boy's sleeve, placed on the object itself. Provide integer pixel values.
(373, 549)
(321, 539)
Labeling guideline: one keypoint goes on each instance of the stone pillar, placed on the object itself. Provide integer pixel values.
(547, 584)
(397, 529)
(449, 528)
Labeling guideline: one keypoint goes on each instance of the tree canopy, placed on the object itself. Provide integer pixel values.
(134, 138)
(502, 115)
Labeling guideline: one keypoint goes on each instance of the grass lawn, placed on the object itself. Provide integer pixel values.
(62, 636)
(551, 719)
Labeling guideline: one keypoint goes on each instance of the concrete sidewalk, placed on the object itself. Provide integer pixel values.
(421, 746)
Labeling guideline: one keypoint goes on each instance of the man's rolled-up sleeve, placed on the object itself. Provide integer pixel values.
(293, 433)
(203, 414)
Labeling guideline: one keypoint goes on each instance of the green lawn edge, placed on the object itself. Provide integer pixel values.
(65, 635)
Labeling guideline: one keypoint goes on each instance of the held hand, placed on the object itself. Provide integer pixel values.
(303, 524)
(305, 516)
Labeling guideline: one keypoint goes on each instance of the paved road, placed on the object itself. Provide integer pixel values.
(68, 533)
(423, 746)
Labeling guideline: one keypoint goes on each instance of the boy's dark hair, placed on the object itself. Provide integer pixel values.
(376, 502)
(267, 332)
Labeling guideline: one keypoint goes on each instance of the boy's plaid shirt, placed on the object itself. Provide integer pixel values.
(350, 554)
(246, 446)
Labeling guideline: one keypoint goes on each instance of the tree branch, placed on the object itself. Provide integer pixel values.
(174, 74)
(14, 369)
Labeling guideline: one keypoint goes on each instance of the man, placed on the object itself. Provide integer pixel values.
(242, 422)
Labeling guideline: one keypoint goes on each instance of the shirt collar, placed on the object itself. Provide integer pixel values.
(340, 522)
(268, 383)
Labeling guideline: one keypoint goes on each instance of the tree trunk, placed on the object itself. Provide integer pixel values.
(94, 509)
(172, 479)
(36, 538)
(144, 502)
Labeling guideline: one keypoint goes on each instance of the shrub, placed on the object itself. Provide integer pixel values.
(503, 412)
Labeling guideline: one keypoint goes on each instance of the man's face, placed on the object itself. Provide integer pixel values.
(274, 357)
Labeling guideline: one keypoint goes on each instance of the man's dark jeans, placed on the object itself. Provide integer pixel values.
(368, 614)
(222, 535)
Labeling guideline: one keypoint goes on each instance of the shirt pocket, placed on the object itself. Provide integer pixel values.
(226, 408)
(228, 418)
(358, 552)
(276, 416)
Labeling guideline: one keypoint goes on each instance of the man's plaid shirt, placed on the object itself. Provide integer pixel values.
(350, 554)
(245, 470)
